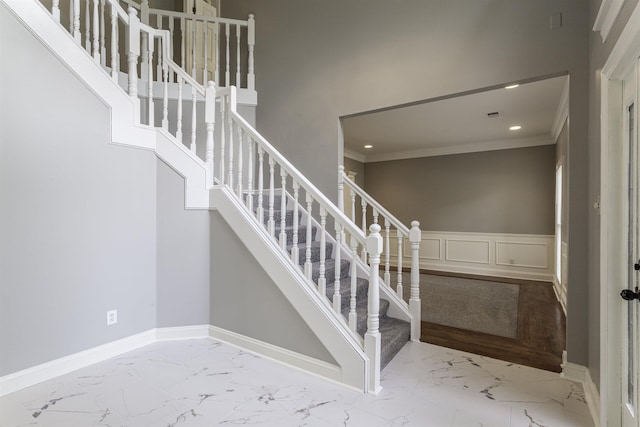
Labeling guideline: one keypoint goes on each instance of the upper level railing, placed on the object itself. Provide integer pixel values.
(209, 47)
(394, 229)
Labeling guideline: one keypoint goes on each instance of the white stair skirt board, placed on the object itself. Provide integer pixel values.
(124, 127)
(278, 354)
(341, 343)
(580, 374)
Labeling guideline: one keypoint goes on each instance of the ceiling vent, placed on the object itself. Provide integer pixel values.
(494, 114)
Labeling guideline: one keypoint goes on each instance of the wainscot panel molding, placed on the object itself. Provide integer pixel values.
(519, 256)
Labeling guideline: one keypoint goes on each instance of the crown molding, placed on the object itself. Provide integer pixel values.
(473, 147)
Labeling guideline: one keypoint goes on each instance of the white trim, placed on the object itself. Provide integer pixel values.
(607, 14)
(278, 354)
(182, 333)
(623, 53)
(580, 374)
(473, 147)
(518, 256)
(46, 371)
(562, 114)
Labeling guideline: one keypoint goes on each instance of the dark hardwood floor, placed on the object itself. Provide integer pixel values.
(541, 332)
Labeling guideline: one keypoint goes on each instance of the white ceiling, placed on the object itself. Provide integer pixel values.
(459, 124)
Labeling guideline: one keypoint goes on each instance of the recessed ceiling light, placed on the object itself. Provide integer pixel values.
(512, 86)
(368, 146)
(516, 127)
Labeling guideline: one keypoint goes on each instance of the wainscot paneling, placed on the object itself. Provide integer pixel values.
(522, 256)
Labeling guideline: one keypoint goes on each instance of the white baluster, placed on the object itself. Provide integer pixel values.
(260, 210)
(103, 48)
(114, 44)
(271, 226)
(387, 252)
(363, 204)
(375, 216)
(160, 52)
(194, 98)
(399, 290)
(337, 297)
(226, 73)
(250, 175)
(179, 113)
(216, 44)
(133, 54)
(223, 139)
(87, 26)
(171, 41)
(95, 46)
(415, 236)
(55, 10)
(205, 50)
(229, 123)
(322, 281)
(341, 188)
(210, 119)
(251, 41)
(165, 95)
(76, 21)
(182, 43)
(353, 205)
(240, 156)
(238, 81)
(372, 339)
(283, 209)
(151, 109)
(353, 315)
(193, 49)
(294, 249)
(307, 262)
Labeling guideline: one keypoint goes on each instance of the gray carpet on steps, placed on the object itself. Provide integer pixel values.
(395, 333)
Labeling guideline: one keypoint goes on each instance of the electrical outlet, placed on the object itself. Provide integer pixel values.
(112, 317)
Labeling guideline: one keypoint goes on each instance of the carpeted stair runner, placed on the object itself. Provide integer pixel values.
(395, 333)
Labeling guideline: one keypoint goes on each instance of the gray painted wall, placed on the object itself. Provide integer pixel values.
(77, 223)
(246, 301)
(358, 168)
(503, 191)
(319, 60)
(599, 52)
(183, 255)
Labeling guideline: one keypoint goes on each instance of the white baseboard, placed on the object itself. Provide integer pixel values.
(46, 371)
(278, 354)
(579, 373)
(182, 333)
(55, 368)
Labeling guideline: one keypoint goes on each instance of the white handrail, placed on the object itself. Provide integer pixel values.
(372, 202)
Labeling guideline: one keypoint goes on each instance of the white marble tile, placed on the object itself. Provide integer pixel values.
(204, 383)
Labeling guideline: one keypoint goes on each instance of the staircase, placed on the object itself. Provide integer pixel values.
(329, 267)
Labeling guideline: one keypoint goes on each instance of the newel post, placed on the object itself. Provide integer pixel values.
(210, 119)
(372, 339)
(415, 236)
(251, 42)
(133, 53)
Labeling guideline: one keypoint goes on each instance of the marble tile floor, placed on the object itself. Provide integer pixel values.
(207, 383)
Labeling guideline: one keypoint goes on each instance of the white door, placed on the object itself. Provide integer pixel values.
(629, 295)
(202, 64)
